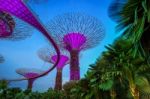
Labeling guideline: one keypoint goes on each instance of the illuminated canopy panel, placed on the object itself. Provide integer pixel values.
(29, 73)
(77, 28)
(74, 41)
(49, 55)
(62, 62)
(12, 28)
(20, 10)
(76, 32)
(7, 24)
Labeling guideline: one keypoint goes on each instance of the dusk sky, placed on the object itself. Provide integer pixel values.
(23, 53)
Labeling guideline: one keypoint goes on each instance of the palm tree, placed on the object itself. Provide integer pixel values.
(134, 17)
(118, 67)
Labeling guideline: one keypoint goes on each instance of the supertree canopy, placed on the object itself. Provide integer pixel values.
(7, 24)
(1, 59)
(29, 73)
(45, 55)
(76, 32)
(12, 28)
(18, 9)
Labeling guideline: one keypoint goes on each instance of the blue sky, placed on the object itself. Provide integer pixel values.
(23, 53)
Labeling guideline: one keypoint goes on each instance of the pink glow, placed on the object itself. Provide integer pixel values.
(62, 62)
(30, 75)
(74, 41)
(18, 9)
(74, 75)
(3, 29)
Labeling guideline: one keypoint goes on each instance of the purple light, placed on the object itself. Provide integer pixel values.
(75, 75)
(48, 55)
(20, 10)
(62, 62)
(30, 75)
(3, 29)
(7, 24)
(74, 41)
(76, 32)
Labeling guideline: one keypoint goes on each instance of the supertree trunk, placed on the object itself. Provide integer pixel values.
(30, 84)
(74, 65)
(58, 81)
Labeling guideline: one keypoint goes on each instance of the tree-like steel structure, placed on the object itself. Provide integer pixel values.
(29, 73)
(12, 28)
(51, 57)
(18, 9)
(1, 59)
(76, 32)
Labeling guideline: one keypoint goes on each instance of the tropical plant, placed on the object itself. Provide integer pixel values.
(134, 17)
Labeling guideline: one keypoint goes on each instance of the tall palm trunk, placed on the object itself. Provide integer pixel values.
(134, 91)
(113, 94)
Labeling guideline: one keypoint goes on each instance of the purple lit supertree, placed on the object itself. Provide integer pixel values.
(1, 59)
(51, 57)
(18, 9)
(12, 28)
(29, 73)
(76, 32)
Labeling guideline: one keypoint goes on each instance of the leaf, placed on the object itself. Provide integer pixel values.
(107, 85)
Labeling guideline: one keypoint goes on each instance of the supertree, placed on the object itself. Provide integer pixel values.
(18, 9)
(76, 32)
(12, 28)
(1, 59)
(29, 73)
(51, 57)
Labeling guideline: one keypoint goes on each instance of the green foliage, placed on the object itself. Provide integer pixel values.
(17, 93)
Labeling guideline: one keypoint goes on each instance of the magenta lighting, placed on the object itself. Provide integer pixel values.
(51, 57)
(19, 9)
(1, 59)
(12, 28)
(63, 60)
(76, 32)
(29, 73)
(7, 24)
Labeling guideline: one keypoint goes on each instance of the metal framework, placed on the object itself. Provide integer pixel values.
(76, 32)
(20, 10)
(51, 57)
(29, 73)
(13, 28)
